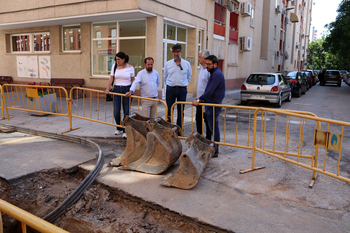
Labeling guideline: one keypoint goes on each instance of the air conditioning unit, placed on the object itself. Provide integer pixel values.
(246, 43)
(302, 35)
(278, 9)
(303, 47)
(278, 53)
(286, 55)
(292, 2)
(246, 8)
(297, 46)
(231, 6)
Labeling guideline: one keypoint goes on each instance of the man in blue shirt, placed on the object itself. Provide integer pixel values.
(149, 81)
(214, 93)
(177, 76)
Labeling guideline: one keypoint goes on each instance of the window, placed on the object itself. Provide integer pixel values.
(30, 43)
(200, 36)
(121, 36)
(72, 36)
(173, 34)
(233, 32)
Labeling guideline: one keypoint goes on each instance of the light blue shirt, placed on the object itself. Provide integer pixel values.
(203, 79)
(149, 83)
(174, 76)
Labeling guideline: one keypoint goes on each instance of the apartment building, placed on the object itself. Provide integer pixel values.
(43, 39)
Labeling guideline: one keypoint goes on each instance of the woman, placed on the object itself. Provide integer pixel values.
(122, 77)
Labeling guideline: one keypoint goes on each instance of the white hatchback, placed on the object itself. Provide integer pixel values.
(267, 87)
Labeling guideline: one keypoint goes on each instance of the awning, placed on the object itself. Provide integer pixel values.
(77, 19)
(293, 18)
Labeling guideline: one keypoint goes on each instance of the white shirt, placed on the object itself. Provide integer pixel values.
(122, 76)
(149, 83)
(203, 79)
(174, 76)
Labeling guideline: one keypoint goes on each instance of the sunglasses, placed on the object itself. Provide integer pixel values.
(179, 65)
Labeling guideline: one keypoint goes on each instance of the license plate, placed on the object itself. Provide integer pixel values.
(258, 97)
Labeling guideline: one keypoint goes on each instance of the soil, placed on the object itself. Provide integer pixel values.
(101, 209)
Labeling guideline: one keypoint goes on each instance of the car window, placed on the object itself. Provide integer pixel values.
(285, 81)
(292, 74)
(280, 80)
(261, 79)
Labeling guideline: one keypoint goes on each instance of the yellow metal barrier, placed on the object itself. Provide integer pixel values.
(234, 131)
(27, 219)
(1, 104)
(302, 138)
(93, 106)
(37, 99)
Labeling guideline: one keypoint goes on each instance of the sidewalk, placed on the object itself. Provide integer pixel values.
(274, 199)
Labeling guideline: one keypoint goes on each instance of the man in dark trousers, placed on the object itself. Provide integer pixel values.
(177, 75)
(214, 93)
(203, 79)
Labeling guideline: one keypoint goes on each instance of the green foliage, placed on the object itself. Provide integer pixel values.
(336, 42)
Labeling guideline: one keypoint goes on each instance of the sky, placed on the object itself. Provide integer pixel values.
(323, 12)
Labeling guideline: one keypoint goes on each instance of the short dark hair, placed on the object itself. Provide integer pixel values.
(213, 58)
(149, 58)
(122, 55)
(176, 46)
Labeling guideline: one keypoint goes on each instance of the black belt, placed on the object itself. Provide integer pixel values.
(177, 86)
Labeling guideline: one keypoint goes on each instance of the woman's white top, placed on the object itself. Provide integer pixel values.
(122, 76)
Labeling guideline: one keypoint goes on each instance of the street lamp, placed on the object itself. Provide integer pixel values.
(293, 19)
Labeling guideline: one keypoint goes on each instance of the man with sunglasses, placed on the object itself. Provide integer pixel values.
(214, 93)
(177, 76)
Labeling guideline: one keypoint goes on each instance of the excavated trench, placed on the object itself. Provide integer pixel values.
(101, 209)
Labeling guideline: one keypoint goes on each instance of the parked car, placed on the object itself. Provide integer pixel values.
(306, 78)
(346, 79)
(331, 76)
(343, 73)
(297, 82)
(267, 87)
(310, 78)
(313, 76)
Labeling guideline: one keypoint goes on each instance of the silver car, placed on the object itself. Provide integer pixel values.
(268, 87)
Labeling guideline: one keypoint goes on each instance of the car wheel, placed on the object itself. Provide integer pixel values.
(289, 97)
(339, 84)
(299, 92)
(279, 103)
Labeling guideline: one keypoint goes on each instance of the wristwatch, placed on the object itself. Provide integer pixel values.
(197, 100)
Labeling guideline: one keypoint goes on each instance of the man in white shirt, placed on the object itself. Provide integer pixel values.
(149, 81)
(203, 78)
(177, 75)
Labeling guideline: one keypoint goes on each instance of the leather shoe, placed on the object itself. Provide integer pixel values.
(216, 155)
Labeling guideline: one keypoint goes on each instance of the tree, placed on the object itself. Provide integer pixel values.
(317, 56)
(337, 41)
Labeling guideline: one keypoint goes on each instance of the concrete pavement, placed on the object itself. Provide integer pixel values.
(274, 199)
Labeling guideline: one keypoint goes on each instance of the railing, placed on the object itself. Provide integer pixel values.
(2, 105)
(94, 107)
(234, 131)
(301, 140)
(27, 219)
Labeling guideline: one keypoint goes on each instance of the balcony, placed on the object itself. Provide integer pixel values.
(219, 29)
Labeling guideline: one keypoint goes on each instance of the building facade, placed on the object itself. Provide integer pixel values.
(43, 39)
